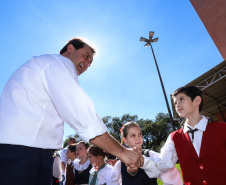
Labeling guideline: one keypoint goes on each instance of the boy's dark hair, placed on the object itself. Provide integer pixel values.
(95, 151)
(85, 144)
(72, 147)
(78, 43)
(190, 91)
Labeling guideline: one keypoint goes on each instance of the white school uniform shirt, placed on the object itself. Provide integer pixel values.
(103, 176)
(39, 97)
(57, 170)
(168, 153)
(171, 177)
(80, 167)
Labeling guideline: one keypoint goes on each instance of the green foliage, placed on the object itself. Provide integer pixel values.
(66, 140)
(115, 124)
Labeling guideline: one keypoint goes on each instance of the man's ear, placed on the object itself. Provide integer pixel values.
(70, 48)
(197, 100)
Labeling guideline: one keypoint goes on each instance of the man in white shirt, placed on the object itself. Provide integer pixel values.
(38, 98)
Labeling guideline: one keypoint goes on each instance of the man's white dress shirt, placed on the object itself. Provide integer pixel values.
(39, 97)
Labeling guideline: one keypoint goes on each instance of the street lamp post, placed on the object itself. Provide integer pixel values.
(148, 43)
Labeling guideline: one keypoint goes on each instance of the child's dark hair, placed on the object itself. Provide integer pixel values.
(190, 91)
(85, 144)
(72, 147)
(125, 128)
(96, 151)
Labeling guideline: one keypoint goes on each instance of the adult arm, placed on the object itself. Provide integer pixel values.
(109, 144)
(73, 105)
(77, 109)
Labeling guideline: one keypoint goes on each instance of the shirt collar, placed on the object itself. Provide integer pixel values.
(201, 125)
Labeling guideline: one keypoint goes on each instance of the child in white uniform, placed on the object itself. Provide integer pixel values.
(101, 172)
(82, 166)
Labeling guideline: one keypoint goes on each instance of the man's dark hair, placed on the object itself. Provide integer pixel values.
(78, 43)
(190, 91)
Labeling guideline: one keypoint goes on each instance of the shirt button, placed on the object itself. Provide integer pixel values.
(204, 182)
(201, 167)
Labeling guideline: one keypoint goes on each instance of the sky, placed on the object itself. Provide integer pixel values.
(123, 78)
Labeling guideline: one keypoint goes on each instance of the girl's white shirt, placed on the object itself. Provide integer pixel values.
(103, 176)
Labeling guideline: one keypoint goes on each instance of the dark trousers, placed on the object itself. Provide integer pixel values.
(22, 165)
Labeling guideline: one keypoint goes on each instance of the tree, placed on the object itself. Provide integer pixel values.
(115, 124)
(159, 131)
(146, 126)
(66, 140)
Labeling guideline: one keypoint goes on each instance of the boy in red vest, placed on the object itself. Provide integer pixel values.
(200, 145)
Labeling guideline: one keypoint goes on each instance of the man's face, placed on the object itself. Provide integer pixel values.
(82, 58)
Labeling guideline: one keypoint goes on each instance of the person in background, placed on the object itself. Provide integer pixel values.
(64, 159)
(71, 154)
(82, 166)
(57, 171)
(101, 171)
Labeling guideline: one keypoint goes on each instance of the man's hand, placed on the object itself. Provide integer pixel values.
(132, 158)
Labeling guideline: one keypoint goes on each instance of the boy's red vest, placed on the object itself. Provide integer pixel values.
(210, 167)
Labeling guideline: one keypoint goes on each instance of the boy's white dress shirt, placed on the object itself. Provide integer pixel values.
(168, 153)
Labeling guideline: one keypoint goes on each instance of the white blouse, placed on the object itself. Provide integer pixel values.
(103, 176)
(39, 97)
(80, 167)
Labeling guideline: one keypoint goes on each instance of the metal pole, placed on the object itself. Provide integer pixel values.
(163, 89)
